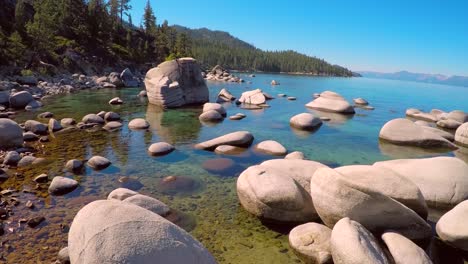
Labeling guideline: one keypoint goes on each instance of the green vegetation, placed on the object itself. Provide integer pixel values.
(49, 34)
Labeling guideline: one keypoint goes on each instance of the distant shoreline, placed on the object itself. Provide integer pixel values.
(293, 73)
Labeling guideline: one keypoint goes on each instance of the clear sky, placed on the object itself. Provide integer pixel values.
(421, 36)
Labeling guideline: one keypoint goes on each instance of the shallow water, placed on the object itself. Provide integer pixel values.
(208, 204)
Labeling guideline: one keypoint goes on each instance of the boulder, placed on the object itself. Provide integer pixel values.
(335, 197)
(111, 231)
(111, 116)
(54, 125)
(311, 243)
(271, 147)
(352, 243)
(30, 136)
(11, 134)
(61, 185)
(423, 116)
(67, 122)
(63, 257)
(35, 127)
(228, 150)
(443, 181)
(26, 161)
(116, 101)
(98, 163)
(403, 250)
(138, 123)
(92, 119)
(112, 125)
(11, 158)
(255, 97)
(225, 96)
(160, 149)
(214, 106)
(461, 135)
(271, 195)
(121, 194)
(33, 105)
(305, 121)
(176, 83)
(101, 114)
(74, 165)
(360, 101)
(27, 80)
(295, 155)
(211, 116)
(114, 78)
(448, 124)
(402, 131)
(4, 98)
(458, 115)
(412, 111)
(149, 203)
(448, 136)
(331, 102)
(388, 183)
(128, 78)
(452, 228)
(238, 139)
(20, 100)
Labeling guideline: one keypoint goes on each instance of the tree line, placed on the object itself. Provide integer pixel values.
(39, 33)
(43, 31)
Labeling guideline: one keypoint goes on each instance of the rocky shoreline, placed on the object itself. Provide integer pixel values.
(374, 213)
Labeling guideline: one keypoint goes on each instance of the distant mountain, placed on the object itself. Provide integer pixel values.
(212, 48)
(418, 77)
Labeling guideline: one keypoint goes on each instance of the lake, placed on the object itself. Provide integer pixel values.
(206, 200)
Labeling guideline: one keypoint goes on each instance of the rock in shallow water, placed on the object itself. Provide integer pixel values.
(149, 203)
(331, 102)
(311, 243)
(238, 139)
(160, 149)
(99, 229)
(138, 123)
(11, 134)
(20, 100)
(271, 147)
(443, 181)
(98, 163)
(305, 121)
(211, 116)
(61, 185)
(74, 165)
(336, 197)
(352, 243)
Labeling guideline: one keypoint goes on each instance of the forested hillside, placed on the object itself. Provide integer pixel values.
(217, 47)
(51, 36)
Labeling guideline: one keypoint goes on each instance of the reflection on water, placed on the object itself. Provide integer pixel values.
(200, 185)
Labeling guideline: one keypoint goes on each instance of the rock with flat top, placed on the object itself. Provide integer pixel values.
(254, 97)
(238, 139)
(331, 102)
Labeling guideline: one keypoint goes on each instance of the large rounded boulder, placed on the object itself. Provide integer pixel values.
(335, 197)
(111, 231)
(443, 181)
(388, 183)
(452, 227)
(331, 102)
(305, 121)
(176, 83)
(402, 131)
(279, 190)
(11, 134)
(461, 135)
(20, 100)
(352, 243)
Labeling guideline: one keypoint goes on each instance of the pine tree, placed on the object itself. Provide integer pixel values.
(183, 45)
(20, 17)
(149, 20)
(43, 27)
(124, 8)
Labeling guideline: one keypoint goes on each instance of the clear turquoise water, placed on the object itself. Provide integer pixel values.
(209, 209)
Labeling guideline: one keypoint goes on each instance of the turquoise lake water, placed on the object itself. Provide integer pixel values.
(206, 199)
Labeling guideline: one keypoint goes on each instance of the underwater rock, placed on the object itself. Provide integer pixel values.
(149, 203)
(218, 165)
(176, 184)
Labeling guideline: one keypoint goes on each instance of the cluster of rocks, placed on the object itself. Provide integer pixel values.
(99, 229)
(431, 130)
(218, 73)
(176, 83)
(212, 112)
(371, 213)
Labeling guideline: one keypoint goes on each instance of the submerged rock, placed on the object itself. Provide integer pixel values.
(352, 243)
(218, 165)
(331, 102)
(211, 116)
(176, 184)
(100, 228)
(238, 139)
(113, 125)
(311, 243)
(149, 203)
(176, 83)
(121, 194)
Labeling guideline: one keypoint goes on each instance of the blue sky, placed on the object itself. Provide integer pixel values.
(421, 36)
